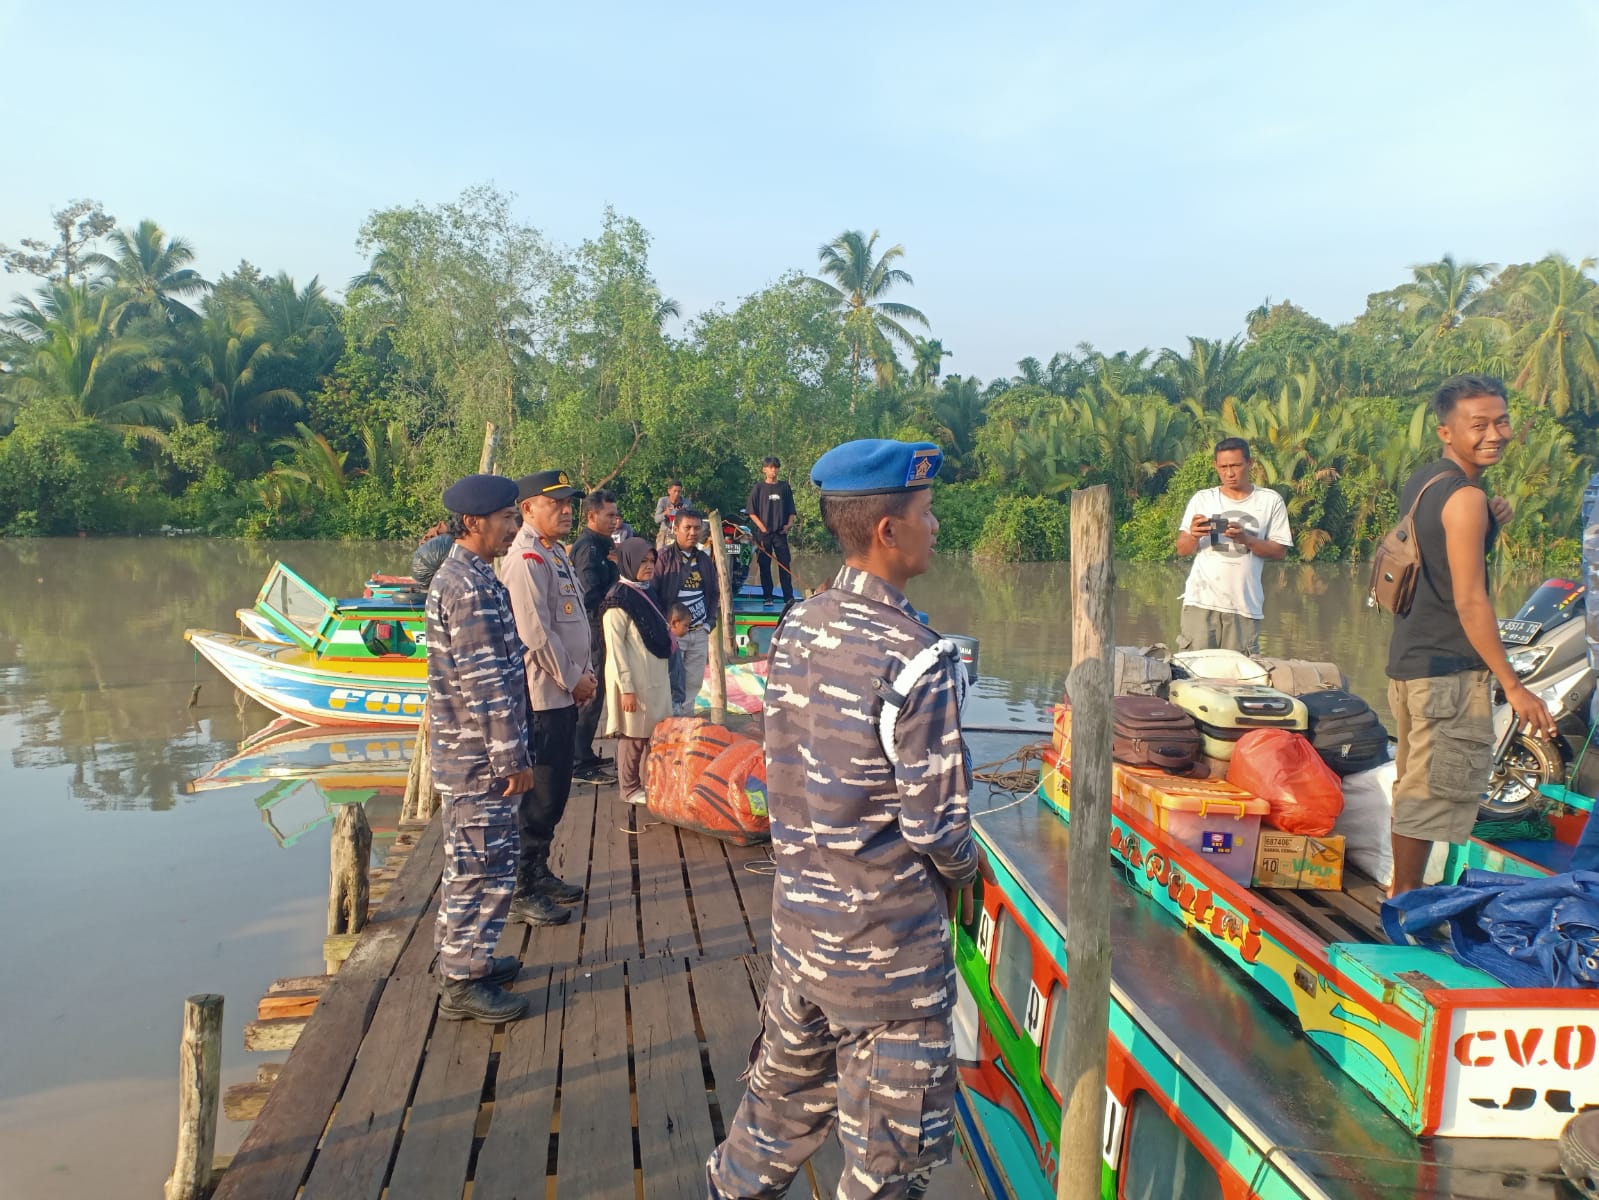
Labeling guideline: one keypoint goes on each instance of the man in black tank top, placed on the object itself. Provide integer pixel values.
(1443, 651)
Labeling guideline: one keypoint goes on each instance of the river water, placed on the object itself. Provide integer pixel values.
(130, 887)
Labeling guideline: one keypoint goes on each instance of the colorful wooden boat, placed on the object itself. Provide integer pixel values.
(357, 661)
(1262, 1043)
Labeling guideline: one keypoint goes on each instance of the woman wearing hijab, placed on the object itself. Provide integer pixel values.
(638, 693)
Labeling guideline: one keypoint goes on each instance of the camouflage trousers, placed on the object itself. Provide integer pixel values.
(480, 843)
(891, 1087)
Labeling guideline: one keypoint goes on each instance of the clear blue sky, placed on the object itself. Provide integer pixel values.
(1123, 173)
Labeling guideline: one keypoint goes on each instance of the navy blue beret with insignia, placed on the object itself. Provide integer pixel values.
(480, 495)
(876, 467)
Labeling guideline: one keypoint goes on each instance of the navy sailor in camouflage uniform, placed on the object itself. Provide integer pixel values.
(478, 733)
(873, 845)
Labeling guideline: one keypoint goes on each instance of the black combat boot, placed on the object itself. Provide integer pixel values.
(547, 883)
(478, 1000)
(503, 970)
(533, 907)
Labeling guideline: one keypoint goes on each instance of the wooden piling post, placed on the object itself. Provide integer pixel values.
(199, 1092)
(350, 855)
(721, 643)
(1089, 882)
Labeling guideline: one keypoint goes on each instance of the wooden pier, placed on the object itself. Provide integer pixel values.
(618, 1082)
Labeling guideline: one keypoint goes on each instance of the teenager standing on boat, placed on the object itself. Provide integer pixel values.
(477, 727)
(686, 575)
(1442, 652)
(1230, 530)
(771, 507)
(560, 675)
(593, 557)
(872, 842)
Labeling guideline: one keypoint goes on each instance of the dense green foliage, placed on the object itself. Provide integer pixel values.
(134, 393)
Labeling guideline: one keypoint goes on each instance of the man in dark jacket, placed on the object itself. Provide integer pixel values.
(685, 574)
(771, 510)
(596, 572)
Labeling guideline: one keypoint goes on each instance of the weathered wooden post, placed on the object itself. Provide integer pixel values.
(491, 443)
(350, 853)
(199, 1090)
(720, 645)
(1089, 883)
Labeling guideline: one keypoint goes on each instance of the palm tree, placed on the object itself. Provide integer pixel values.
(152, 271)
(1443, 291)
(1560, 365)
(66, 357)
(860, 280)
(229, 354)
(958, 410)
(929, 354)
(1206, 376)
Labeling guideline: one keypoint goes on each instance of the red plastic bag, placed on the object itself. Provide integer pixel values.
(1283, 769)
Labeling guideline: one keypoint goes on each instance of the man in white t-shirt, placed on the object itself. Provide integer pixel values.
(1229, 530)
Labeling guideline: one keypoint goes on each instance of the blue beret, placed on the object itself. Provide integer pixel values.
(876, 467)
(480, 495)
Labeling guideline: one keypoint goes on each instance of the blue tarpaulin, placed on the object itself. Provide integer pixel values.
(1524, 931)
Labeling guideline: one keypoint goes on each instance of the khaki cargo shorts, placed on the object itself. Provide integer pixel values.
(1210, 629)
(1445, 754)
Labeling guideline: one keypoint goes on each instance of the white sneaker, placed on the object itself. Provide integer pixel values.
(639, 798)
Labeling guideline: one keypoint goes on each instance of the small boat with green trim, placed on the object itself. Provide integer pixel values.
(1263, 1042)
(327, 661)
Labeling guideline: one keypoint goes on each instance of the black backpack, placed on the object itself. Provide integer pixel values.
(1345, 731)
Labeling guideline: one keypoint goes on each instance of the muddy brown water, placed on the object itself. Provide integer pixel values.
(125, 891)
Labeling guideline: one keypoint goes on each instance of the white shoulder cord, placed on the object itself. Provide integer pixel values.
(897, 691)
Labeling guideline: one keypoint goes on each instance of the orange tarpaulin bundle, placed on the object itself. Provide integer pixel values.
(703, 777)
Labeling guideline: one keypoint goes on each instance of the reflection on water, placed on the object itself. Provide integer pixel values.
(174, 843)
(310, 772)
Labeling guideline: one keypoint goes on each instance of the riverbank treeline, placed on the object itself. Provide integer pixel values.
(135, 394)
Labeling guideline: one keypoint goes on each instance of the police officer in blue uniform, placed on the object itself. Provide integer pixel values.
(868, 781)
(478, 729)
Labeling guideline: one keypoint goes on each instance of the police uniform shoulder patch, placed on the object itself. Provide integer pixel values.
(534, 557)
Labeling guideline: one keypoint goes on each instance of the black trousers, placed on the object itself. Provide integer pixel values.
(541, 809)
(588, 713)
(767, 547)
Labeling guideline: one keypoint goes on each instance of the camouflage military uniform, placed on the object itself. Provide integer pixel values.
(858, 1013)
(477, 726)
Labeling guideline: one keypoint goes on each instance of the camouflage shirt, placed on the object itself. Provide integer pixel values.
(865, 851)
(477, 685)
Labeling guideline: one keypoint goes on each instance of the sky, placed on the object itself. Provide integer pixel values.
(1120, 173)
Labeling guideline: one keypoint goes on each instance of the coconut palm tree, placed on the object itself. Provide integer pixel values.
(152, 271)
(929, 354)
(1559, 365)
(228, 357)
(860, 279)
(66, 358)
(958, 408)
(1442, 293)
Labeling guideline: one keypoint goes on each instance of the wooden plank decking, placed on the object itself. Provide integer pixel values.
(618, 1082)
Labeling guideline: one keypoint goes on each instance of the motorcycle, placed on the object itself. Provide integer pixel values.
(1547, 647)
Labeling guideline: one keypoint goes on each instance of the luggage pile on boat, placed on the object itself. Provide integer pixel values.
(1212, 747)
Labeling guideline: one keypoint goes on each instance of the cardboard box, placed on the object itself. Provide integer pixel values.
(1297, 860)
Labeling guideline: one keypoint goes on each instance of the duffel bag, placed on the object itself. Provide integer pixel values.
(1140, 671)
(1296, 676)
(1148, 732)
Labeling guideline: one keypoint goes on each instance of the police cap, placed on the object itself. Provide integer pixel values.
(554, 484)
(876, 467)
(480, 495)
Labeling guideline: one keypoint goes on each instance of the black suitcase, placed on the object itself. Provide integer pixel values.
(1345, 731)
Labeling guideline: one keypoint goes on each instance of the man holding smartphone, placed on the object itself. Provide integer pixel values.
(1229, 530)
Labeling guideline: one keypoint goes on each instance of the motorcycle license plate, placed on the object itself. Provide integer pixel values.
(1518, 633)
